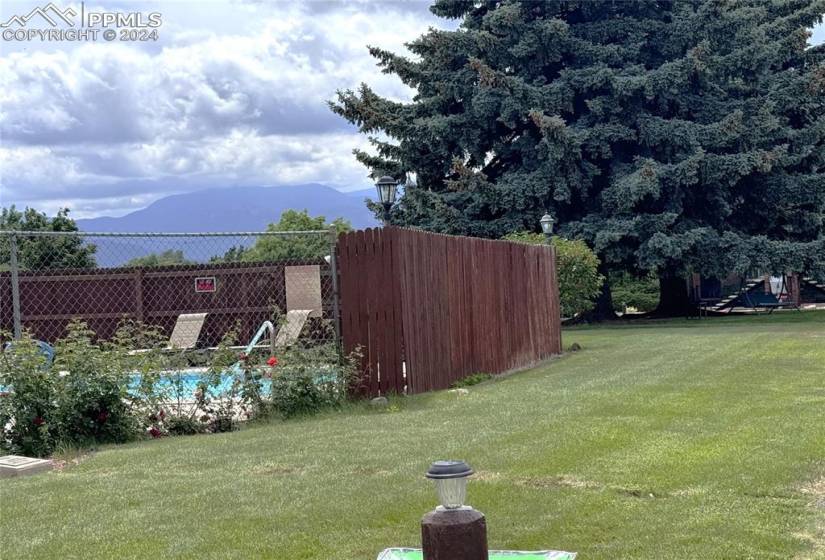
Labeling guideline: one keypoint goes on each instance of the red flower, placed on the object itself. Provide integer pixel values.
(243, 356)
(38, 421)
(272, 361)
(154, 432)
(102, 416)
(161, 414)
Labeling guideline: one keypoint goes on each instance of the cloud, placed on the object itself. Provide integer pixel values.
(117, 180)
(232, 94)
(103, 126)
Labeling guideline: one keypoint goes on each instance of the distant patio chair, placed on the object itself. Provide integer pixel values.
(187, 331)
(291, 328)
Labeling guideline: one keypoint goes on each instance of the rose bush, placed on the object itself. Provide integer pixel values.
(92, 397)
(27, 406)
(132, 386)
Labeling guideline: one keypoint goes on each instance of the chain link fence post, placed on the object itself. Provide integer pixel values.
(15, 286)
(333, 242)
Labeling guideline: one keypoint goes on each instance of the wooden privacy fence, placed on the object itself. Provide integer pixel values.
(429, 309)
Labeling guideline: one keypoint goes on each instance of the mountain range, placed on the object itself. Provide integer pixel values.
(237, 209)
(241, 209)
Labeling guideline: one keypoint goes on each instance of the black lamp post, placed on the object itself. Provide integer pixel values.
(387, 188)
(547, 222)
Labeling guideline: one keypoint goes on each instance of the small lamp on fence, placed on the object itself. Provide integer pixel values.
(547, 222)
(387, 188)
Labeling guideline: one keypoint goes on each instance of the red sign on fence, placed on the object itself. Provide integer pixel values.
(206, 284)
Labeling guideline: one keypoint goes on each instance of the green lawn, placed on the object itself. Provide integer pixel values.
(688, 439)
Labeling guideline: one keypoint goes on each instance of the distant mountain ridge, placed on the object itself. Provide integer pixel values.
(240, 209)
(235, 209)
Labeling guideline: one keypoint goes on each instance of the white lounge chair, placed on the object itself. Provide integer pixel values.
(291, 328)
(187, 330)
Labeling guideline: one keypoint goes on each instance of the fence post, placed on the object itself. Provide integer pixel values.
(15, 286)
(333, 265)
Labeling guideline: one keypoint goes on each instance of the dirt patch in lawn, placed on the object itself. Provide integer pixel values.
(69, 459)
(570, 481)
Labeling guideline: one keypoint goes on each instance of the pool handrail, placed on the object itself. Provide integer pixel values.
(266, 325)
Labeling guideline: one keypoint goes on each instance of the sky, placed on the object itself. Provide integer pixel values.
(231, 93)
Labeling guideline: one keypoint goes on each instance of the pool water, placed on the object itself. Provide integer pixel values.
(184, 383)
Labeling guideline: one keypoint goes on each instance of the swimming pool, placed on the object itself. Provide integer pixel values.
(184, 383)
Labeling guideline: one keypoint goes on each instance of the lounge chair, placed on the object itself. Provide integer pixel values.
(185, 334)
(187, 330)
(291, 328)
(764, 300)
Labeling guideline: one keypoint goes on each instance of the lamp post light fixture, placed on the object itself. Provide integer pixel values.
(547, 222)
(453, 530)
(387, 188)
(450, 483)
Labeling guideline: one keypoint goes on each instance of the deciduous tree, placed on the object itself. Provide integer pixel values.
(38, 253)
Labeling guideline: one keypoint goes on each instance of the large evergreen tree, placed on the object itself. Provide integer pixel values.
(672, 136)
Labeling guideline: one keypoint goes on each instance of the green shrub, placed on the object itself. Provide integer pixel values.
(27, 412)
(92, 404)
(309, 380)
(471, 380)
(577, 271)
(629, 291)
(183, 425)
(295, 391)
(92, 393)
(220, 404)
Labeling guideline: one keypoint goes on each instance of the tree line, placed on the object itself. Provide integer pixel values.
(41, 253)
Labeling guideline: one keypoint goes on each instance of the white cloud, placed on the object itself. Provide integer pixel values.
(103, 126)
(234, 93)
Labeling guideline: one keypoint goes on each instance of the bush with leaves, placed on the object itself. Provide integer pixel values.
(293, 247)
(110, 392)
(231, 389)
(629, 291)
(159, 395)
(472, 379)
(577, 271)
(92, 404)
(309, 380)
(27, 409)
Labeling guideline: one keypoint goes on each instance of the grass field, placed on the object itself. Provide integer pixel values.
(687, 439)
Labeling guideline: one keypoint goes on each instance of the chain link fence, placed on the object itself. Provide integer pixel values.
(276, 288)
